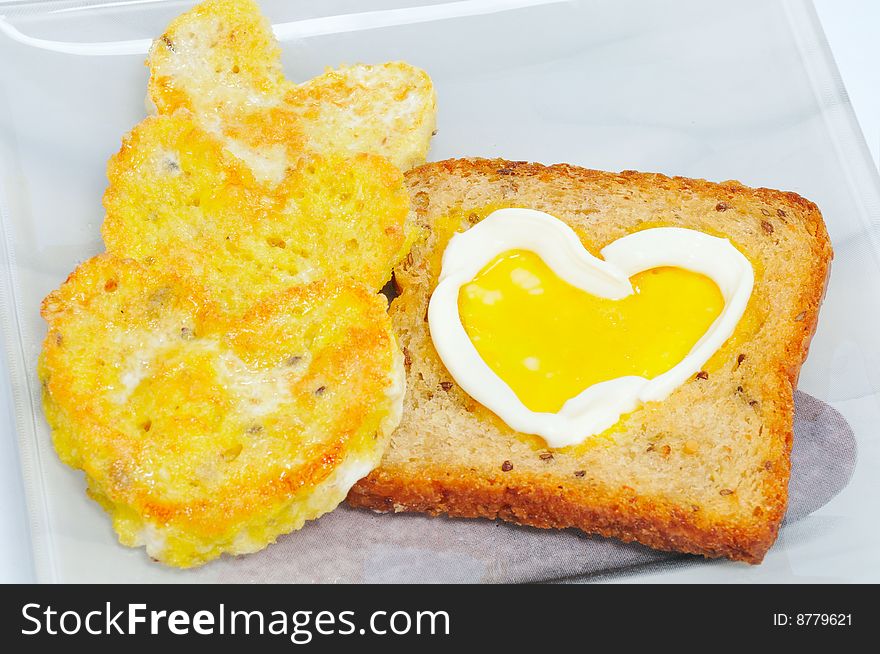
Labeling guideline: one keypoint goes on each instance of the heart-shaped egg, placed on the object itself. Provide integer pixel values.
(560, 343)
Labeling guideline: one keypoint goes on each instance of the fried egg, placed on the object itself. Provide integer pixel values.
(560, 343)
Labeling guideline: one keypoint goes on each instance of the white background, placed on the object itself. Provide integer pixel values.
(851, 27)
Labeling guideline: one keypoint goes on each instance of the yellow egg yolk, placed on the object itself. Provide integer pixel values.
(549, 340)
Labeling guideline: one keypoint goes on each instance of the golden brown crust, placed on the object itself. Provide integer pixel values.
(527, 500)
(544, 500)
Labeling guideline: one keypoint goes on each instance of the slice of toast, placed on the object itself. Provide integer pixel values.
(178, 200)
(220, 63)
(202, 433)
(704, 471)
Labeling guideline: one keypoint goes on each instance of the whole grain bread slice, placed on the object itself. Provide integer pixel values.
(704, 471)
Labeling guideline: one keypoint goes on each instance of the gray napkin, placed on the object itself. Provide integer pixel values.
(349, 545)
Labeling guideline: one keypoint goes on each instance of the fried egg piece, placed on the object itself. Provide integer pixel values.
(178, 200)
(201, 433)
(221, 63)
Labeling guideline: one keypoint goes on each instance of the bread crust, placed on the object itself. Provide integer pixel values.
(527, 500)
(540, 500)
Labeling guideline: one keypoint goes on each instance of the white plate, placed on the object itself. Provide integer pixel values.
(689, 88)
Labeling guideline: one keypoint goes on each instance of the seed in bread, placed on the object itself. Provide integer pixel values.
(220, 63)
(201, 433)
(704, 471)
(178, 200)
